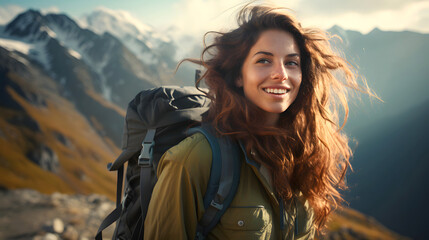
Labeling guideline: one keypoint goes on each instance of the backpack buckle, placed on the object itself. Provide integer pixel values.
(216, 205)
(145, 158)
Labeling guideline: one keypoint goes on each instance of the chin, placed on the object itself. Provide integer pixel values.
(276, 110)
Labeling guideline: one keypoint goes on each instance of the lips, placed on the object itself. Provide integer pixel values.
(278, 91)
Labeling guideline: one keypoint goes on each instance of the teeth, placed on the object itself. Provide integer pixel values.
(276, 90)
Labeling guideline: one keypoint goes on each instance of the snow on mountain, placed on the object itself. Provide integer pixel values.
(30, 33)
(115, 64)
(140, 38)
(118, 22)
(53, 38)
(28, 36)
(79, 44)
(16, 45)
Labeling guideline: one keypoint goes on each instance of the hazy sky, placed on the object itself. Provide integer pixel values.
(196, 16)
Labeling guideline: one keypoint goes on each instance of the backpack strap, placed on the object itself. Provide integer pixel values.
(146, 186)
(223, 182)
(145, 162)
(115, 214)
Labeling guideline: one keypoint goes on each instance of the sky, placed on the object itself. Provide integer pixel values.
(199, 16)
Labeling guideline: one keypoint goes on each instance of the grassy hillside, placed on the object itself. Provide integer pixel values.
(350, 224)
(81, 152)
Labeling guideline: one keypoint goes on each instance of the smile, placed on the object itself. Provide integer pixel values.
(276, 90)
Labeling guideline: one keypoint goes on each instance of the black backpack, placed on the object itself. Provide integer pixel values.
(156, 120)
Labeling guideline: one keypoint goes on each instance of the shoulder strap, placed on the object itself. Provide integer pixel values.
(116, 213)
(146, 185)
(223, 182)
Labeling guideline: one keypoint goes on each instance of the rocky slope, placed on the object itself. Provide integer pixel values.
(27, 214)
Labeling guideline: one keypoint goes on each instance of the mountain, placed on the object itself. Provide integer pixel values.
(157, 50)
(102, 62)
(46, 143)
(63, 93)
(64, 90)
(148, 45)
(395, 67)
(390, 159)
(390, 164)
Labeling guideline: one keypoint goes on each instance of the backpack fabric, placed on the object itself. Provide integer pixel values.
(156, 120)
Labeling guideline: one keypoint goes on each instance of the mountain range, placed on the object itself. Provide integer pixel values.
(65, 84)
(390, 156)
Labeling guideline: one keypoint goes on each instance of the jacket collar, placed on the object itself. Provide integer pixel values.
(249, 160)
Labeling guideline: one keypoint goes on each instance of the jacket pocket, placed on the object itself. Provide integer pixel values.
(247, 218)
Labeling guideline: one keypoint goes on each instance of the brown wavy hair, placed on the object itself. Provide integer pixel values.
(307, 151)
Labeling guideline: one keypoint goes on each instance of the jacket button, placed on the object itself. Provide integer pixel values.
(240, 223)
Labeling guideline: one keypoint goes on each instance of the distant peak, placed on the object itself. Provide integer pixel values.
(105, 18)
(375, 30)
(337, 30)
(30, 14)
(25, 23)
(36, 26)
(61, 19)
(336, 27)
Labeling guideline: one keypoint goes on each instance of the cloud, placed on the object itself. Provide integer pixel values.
(355, 6)
(195, 17)
(408, 17)
(421, 22)
(125, 17)
(48, 10)
(7, 13)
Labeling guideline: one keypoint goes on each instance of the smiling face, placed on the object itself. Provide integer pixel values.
(271, 73)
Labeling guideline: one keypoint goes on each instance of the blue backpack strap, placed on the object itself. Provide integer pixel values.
(223, 182)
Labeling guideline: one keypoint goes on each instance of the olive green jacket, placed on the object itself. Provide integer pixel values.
(176, 204)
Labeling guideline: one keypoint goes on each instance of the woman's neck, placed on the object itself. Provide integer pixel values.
(271, 119)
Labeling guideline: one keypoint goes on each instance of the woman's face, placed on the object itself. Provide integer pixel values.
(271, 73)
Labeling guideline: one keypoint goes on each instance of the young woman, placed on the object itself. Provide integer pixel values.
(274, 91)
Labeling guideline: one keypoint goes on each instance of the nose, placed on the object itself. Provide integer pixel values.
(279, 72)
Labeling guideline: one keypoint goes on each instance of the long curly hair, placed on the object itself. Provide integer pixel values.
(306, 152)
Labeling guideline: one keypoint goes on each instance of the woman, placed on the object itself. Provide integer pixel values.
(274, 91)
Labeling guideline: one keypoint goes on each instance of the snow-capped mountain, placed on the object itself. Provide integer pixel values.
(63, 91)
(147, 44)
(28, 35)
(55, 41)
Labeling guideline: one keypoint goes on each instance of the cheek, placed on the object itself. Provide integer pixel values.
(298, 83)
(248, 80)
(254, 77)
(297, 80)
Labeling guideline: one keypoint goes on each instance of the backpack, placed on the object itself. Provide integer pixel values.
(156, 120)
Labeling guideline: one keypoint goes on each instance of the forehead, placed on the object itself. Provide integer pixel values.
(276, 42)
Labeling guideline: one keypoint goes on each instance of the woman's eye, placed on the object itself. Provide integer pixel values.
(263, 60)
(292, 63)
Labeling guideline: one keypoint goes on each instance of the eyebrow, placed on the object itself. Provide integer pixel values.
(270, 54)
